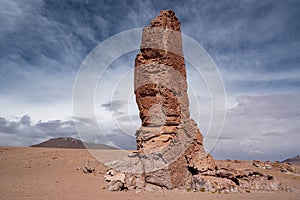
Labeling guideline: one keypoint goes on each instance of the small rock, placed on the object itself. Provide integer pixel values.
(138, 191)
(288, 189)
(87, 169)
(116, 180)
(149, 188)
(115, 186)
(258, 164)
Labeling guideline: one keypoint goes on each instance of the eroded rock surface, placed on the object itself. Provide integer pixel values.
(284, 167)
(170, 151)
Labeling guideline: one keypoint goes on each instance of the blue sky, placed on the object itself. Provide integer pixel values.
(255, 44)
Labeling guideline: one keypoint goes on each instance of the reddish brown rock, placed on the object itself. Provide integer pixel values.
(284, 167)
(161, 95)
(170, 151)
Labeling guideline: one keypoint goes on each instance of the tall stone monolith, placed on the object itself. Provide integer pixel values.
(170, 151)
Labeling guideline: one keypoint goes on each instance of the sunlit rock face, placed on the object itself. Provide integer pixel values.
(170, 151)
(161, 94)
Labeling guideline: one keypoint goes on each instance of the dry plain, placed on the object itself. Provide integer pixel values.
(56, 173)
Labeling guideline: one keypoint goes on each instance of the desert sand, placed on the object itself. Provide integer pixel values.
(52, 173)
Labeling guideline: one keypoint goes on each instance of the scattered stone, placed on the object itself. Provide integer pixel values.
(289, 167)
(116, 180)
(237, 161)
(138, 191)
(87, 169)
(261, 164)
(287, 189)
(284, 167)
(150, 188)
(268, 165)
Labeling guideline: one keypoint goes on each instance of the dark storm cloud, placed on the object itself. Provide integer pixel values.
(25, 132)
(22, 131)
(25, 120)
(254, 41)
(55, 128)
(7, 126)
(45, 42)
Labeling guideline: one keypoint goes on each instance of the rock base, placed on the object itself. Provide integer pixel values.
(221, 180)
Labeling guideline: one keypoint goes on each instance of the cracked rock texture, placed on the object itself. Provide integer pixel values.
(170, 151)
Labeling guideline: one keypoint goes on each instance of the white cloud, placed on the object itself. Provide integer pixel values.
(261, 127)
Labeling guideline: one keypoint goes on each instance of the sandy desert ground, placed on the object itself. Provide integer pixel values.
(49, 173)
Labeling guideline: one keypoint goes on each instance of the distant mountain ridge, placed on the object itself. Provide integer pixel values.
(293, 160)
(71, 143)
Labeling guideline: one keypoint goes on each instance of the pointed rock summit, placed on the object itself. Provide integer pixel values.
(170, 151)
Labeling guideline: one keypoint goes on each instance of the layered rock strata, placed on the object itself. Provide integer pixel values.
(170, 151)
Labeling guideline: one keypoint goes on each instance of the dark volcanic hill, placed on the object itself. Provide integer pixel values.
(293, 160)
(71, 143)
